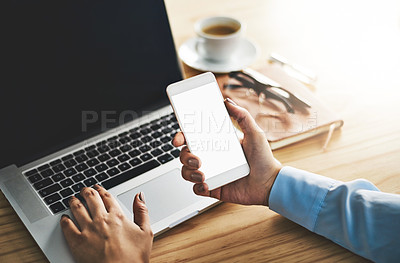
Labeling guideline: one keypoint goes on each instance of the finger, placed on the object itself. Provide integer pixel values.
(202, 189)
(192, 175)
(141, 213)
(93, 201)
(179, 139)
(246, 122)
(70, 230)
(189, 159)
(80, 213)
(110, 203)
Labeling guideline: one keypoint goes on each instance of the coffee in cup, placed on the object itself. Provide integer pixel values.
(218, 37)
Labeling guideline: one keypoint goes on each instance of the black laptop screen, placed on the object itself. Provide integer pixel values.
(70, 69)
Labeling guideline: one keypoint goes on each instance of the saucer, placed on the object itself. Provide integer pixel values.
(245, 54)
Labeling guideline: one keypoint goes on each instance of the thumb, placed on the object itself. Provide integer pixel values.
(246, 122)
(140, 212)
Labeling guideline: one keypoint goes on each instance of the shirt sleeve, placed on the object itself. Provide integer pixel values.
(355, 215)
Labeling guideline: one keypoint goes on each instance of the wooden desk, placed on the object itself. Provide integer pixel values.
(353, 47)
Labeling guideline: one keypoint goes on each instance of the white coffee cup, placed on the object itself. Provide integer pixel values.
(218, 37)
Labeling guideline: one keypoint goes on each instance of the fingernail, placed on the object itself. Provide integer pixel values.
(201, 188)
(193, 162)
(231, 101)
(71, 198)
(64, 215)
(141, 197)
(96, 187)
(196, 177)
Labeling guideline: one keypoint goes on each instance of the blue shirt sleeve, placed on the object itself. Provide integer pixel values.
(355, 215)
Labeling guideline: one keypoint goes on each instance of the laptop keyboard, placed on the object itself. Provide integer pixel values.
(108, 163)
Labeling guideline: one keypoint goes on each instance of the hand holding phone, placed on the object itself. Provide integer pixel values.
(199, 107)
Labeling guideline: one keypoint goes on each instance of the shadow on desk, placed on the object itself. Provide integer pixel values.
(235, 233)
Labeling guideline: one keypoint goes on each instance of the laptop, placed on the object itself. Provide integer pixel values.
(83, 102)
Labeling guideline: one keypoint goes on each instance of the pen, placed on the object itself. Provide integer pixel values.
(329, 136)
(303, 74)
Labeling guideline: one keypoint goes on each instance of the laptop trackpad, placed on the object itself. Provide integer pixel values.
(165, 195)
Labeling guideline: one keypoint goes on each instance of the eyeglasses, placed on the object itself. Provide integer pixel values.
(253, 87)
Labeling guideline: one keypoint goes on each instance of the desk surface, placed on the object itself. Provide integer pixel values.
(353, 47)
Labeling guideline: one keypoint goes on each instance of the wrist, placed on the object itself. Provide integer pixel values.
(273, 174)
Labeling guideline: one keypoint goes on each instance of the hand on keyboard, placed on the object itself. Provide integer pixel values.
(104, 234)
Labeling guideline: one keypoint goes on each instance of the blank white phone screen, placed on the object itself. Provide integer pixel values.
(208, 129)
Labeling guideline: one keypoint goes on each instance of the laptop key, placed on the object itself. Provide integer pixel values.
(70, 163)
(92, 162)
(134, 153)
(146, 157)
(103, 149)
(114, 144)
(135, 161)
(81, 158)
(67, 182)
(77, 187)
(156, 152)
(55, 162)
(67, 157)
(65, 202)
(123, 158)
(165, 158)
(146, 139)
(123, 134)
(175, 153)
(58, 168)
(115, 152)
(124, 140)
(66, 192)
(124, 166)
(126, 148)
(42, 184)
(31, 172)
(47, 173)
(79, 177)
(101, 177)
(136, 143)
(104, 157)
(77, 153)
(89, 173)
(70, 172)
(167, 147)
(58, 177)
(89, 182)
(112, 163)
(92, 153)
(81, 167)
(127, 175)
(57, 207)
(145, 131)
(156, 134)
(155, 144)
(52, 198)
(50, 190)
(35, 178)
(165, 139)
(43, 167)
(135, 135)
(101, 167)
(144, 148)
(112, 171)
(155, 127)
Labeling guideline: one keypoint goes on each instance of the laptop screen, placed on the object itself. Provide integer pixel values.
(71, 69)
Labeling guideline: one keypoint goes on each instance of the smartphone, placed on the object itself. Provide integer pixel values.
(200, 110)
